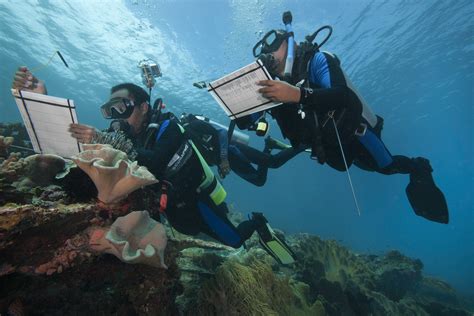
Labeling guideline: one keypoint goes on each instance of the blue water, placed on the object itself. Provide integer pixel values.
(412, 61)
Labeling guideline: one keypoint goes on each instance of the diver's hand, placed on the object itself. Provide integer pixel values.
(24, 80)
(224, 168)
(83, 133)
(279, 91)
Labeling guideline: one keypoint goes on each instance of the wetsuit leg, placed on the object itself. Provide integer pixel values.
(241, 164)
(278, 160)
(372, 155)
(218, 226)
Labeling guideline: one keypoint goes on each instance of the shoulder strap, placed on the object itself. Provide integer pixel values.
(162, 129)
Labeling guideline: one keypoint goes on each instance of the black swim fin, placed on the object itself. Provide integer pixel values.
(275, 246)
(425, 197)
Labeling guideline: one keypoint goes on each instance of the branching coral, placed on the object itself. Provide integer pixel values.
(112, 173)
(135, 238)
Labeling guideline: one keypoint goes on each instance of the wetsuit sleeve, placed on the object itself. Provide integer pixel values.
(325, 73)
(219, 134)
(157, 158)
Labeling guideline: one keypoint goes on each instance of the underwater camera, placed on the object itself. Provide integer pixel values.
(150, 71)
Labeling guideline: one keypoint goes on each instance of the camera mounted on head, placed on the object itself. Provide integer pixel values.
(150, 70)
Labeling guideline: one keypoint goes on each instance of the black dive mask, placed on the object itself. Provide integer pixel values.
(264, 48)
(270, 42)
(117, 108)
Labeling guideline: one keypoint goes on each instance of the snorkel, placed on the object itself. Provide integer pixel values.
(287, 19)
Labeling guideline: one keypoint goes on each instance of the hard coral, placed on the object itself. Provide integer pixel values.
(112, 173)
(12, 168)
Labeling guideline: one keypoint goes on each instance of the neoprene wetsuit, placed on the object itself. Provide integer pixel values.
(327, 89)
(212, 141)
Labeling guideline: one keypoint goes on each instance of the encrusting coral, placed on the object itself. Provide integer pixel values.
(43, 169)
(112, 173)
(134, 238)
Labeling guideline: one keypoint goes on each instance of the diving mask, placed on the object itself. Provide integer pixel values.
(270, 42)
(117, 108)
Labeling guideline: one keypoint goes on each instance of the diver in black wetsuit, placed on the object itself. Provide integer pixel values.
(212, 142)
(323, 111)
(195, 198)
(191, 196)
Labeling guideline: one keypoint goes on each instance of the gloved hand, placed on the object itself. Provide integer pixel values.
(224, 168)
(24, 80)
(83, 133)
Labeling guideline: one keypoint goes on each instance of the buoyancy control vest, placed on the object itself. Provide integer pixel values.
(313, 126)
(209, 185)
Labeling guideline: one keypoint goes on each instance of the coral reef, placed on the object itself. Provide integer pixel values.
(21, 140)
(54, 260)
(47, 266)
(112, 173)
(42, 170)
(237, 289)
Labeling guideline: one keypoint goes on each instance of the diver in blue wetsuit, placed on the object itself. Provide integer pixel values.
(323, 111)
(212, 141)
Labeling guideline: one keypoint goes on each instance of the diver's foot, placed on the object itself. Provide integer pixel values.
(425, 197)
(262, 227)
(275, 246)
(272, 143)
(422, 170)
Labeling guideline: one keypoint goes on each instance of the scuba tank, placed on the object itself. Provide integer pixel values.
(237, 137)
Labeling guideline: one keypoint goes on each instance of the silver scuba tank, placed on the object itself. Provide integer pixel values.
(237, 136)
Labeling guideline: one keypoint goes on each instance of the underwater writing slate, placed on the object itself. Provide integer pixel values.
(47, 121)
(237, 93)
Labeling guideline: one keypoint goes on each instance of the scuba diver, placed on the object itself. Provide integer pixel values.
(323, 111)
(191, 198)
(212, 140)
